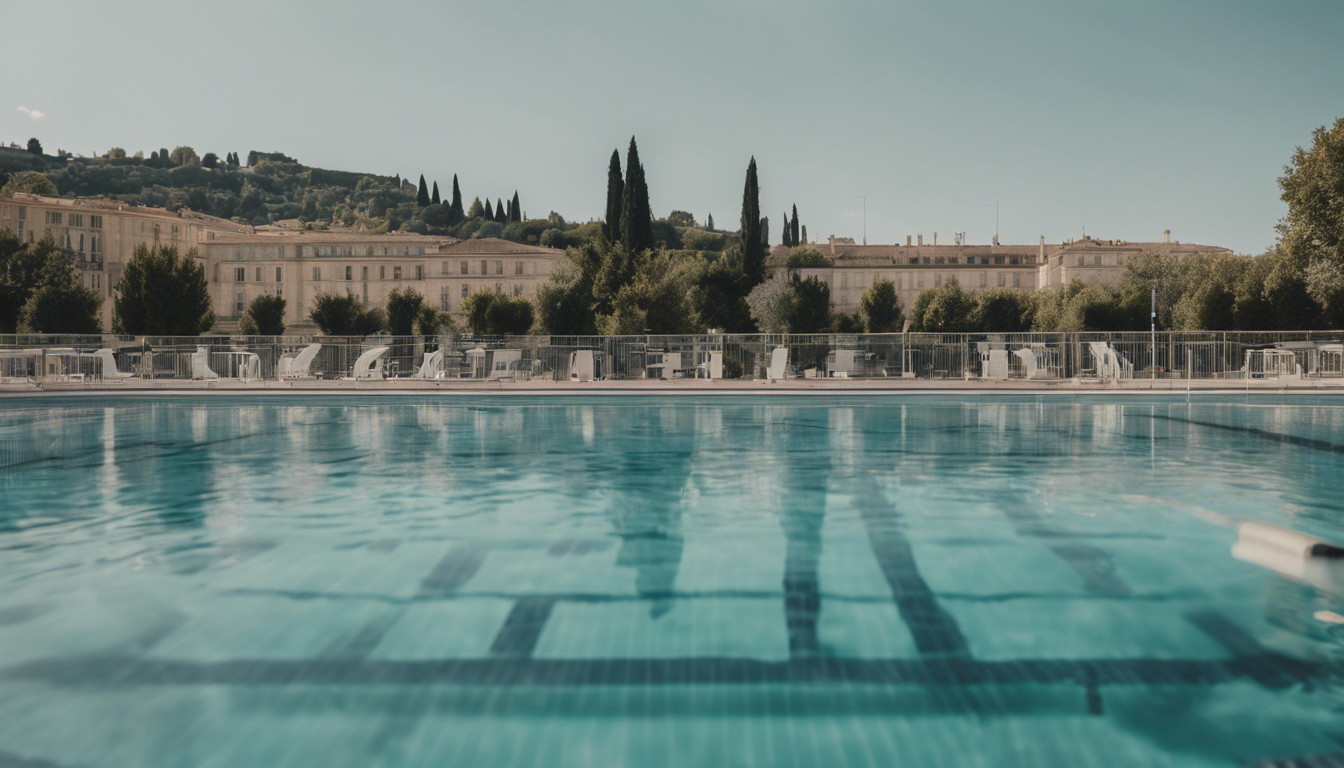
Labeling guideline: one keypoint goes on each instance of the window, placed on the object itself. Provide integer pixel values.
(96, 281)
(485, 267)
(175, 228)
(76, 219)
(998, 259)
(239, 274)
(419, 272)
(53, 217)
(396, 273)
(1001, 279)
(464, 267)
(466, 290)
(445, 296)
(257, 272)
(1017, 280)
(499, 287)
(926, 259)
(95, 245)
(364, 273)
(95, 222)
(921, 279)
(937, 280)
(517, 267)
(984, 259)
(349, 273)
(382, 273)
(238, 305)
(445, 269)
(23, 213)
(81, 242)
(1080, 260)
(844, 279)
(277, 274)
(1096, 260)
(984, 279)
(517, 289)
(914, 259)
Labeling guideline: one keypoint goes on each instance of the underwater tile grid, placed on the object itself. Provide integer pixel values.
(917, 580)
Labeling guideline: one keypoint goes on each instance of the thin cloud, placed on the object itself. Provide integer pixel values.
(33, 114)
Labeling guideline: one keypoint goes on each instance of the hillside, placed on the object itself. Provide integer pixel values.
(272, 187)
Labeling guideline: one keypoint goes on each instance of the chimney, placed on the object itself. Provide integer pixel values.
(907, 241)
(1166, 236)
(921, 238)
(1041, 252)
(935, 238)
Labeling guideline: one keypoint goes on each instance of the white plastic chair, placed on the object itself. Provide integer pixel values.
(581, 365)
(713, 367)
(370, 364)
(200, 364)
(779, 364)
(504, 362)
(297, 366)
(109, 365)
(432, 367)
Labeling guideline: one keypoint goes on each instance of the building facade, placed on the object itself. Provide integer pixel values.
(242, 262)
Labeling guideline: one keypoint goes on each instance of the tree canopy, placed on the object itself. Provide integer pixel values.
(163, 293)
(344, 315)
(265, 316)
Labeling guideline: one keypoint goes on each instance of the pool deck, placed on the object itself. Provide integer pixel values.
(669, 387)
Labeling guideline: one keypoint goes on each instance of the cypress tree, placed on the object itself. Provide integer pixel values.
(615, 193)
(489, 211)
(501, 215)
(457, 213)
(793, 227)
(476, 211)
(396, 182)
(804, 240)
(434, 197)
(422, 197)
(753, 255)
(517, 209)
(709, 223)
(765, 233)
(636, 217)
(784, 236)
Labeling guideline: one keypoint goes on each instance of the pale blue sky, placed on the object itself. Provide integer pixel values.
(1126, 118)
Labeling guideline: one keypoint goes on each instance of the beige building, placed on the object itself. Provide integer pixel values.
(917, 266)
(242, 262)
(299, 266)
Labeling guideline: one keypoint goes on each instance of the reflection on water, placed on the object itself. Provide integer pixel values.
(689, 581)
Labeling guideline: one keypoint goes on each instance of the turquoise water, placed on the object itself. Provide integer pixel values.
(644, 581)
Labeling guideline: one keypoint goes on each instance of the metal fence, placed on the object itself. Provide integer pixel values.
(1020, 356)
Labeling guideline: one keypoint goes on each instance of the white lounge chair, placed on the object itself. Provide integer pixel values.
(779, 364)
(370, 364)
(504, 363)
(249, 368)
(432, 367)
(669, 366)
(1110, 364)
(581, 365)
(109, 365)
(200, 364)
(994, 364)
(296, 366)
(713, 367)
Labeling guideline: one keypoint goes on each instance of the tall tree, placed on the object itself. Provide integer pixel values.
(793, 227)
(489, 210)
(636, 215)
(709, 222)
(784, 235)
(804, 235)
(457, 213)
(753, 252)
(35, 146)
(163, 293)
(611, 227)
(765, 233)
(434, 196)
(501, 214)
(476, 211)
(515, 210)
(422, 196)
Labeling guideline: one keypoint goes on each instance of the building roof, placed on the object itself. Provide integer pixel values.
(322, 237)
(844, 254)
(488, 245)
(106, 204)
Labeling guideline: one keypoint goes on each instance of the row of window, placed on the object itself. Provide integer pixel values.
(464, 268)
(363, 250)
(970, 260)
(446, 293)
(240, 274)
(60, 218)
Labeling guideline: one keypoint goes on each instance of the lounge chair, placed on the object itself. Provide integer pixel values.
(109, 365)
(432, 367)
(581, 365)
(779, 364)
(297, 366)
(200, 364)
(843, 363)
(369, 365)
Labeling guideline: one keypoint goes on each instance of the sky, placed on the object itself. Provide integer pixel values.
(1118, 120)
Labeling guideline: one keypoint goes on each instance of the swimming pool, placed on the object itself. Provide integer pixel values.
(918, 580)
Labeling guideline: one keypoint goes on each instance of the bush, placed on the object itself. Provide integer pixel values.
(265, 316)
(163, 293)
(65, 308)
(337, 315)
(403, 309)
(31, 182)
(491, 313)
(807, 257)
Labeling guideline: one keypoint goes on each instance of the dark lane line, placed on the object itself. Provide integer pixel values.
(1272, 670)
(1277, 437)
(934, 630)
(518, 636)
(1094, 566)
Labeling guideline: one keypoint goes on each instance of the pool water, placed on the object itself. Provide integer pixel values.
(664, 581)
